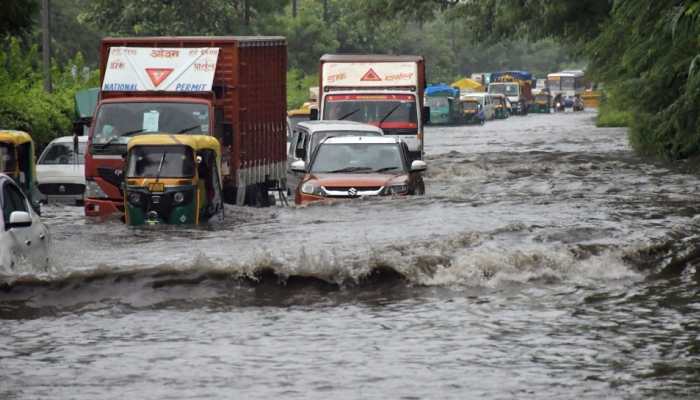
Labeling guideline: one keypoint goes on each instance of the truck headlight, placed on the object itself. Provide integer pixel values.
(93, 190)
(311, 188)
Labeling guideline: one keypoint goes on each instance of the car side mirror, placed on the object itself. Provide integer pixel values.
(418, 166)
(19, 219)
(298, 166)
(313, 114)
(426, 115)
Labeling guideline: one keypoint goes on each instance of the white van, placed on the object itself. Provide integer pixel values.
(488, 103)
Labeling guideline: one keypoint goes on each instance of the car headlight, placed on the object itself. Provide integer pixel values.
(93, 190)
(311, 188)
(178, 197)
(397, 189)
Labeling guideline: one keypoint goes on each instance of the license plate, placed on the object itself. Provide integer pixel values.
(156, 187)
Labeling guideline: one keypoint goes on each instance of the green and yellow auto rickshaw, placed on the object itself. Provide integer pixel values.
(17, 160)
(172, 179)
(542, 103)
(501, 108)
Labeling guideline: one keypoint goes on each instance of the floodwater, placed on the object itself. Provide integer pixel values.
(545, 261)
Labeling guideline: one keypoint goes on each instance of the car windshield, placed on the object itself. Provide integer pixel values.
(62, 154)
(8, 162)
(358, 158)
(509, 89)
(437, 102)
(318, 137)
(161, 162)
(115, 122)
(372, 109)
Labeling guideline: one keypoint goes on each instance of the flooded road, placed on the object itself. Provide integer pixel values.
(545, 261)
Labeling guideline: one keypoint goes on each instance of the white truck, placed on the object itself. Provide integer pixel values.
(381, 90)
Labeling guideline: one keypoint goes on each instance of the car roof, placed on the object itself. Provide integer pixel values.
(318, 126)
(69, 139)
(362, 139)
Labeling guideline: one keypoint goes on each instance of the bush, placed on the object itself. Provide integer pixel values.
(24, 105)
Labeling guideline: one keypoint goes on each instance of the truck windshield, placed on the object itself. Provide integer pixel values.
(567, 83)
(471, 105)
(509, 89)
(8, 162)
(358, 158)
(62, 154)
(437, 103)
(161, 162)
(385, 111)
(115, 122)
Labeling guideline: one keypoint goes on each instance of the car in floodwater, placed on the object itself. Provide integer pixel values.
(61, 170)
(23, 237)
(306, 136)
(359, 166)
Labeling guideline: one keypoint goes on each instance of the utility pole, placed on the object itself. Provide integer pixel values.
(294, 8)
(246, 13)
(46, 44)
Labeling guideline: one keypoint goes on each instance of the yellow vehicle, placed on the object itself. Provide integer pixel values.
(17, 161)
(172, 179)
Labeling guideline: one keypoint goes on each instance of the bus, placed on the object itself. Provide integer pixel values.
(567, 83)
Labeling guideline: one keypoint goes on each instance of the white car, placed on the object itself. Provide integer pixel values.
(61, 171)
(23, 237)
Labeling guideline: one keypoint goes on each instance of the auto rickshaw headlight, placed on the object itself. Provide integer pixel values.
(135, 198)
(178, 197)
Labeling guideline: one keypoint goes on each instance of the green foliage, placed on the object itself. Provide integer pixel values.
(298, 86)
(24, 105)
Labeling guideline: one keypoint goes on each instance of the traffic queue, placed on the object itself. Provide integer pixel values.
(182, 125)
(498, 95)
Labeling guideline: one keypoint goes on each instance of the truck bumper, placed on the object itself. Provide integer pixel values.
(102, 208)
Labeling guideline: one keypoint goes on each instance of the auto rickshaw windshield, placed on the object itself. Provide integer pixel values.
(8, 161)
(161, 162)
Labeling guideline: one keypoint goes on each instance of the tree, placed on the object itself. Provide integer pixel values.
(17, 17)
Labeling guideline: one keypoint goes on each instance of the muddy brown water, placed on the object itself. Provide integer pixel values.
(545, 261)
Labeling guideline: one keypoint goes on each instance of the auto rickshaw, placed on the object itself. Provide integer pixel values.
(502, 111)
(542, 103)
(473, 111)
(172, 179)
(17, 160)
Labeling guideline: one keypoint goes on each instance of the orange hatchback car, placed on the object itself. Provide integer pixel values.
(359, 166)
